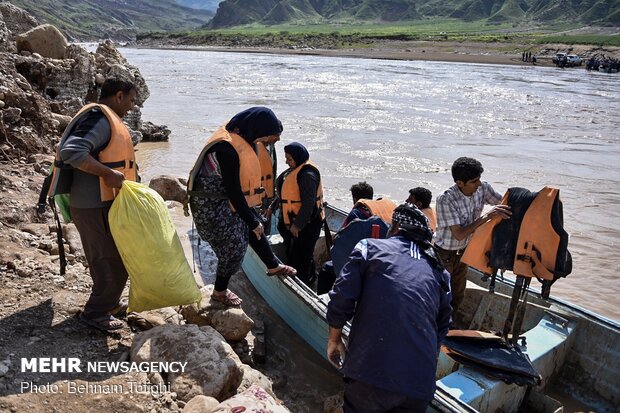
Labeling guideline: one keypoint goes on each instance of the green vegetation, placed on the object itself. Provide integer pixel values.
(581, 39)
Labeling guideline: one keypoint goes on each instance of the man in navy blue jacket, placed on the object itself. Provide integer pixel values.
(398, 294)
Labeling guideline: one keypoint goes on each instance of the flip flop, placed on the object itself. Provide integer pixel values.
(230, 299)
(105, 323)
(283, 270)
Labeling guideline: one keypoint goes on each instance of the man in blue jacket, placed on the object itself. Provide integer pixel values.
(398, 294)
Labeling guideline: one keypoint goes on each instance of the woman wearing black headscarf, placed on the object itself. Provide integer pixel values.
(223, 188)
(301, 210)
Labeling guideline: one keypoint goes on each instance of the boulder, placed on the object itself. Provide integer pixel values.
(6, 45)
(39, 230)
(231, 322)
(333, 404)
(63, 120)
(254, 377)
(72, 236)
(213, 369)
(154, 133)
(169, 187)
(254, 399)
(200, 404)
(16, 20)
(112, 63)
(146, 320)
(45, 40)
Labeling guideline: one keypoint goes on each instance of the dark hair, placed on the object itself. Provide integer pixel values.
(422, 195)
(465, 169)
(362, 190)
(112, 85)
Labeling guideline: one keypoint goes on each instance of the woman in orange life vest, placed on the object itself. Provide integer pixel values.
(301, 210)
(224, 187)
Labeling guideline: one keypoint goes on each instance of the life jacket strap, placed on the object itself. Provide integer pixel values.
(61, 248)
(119, 164)
(533, 256)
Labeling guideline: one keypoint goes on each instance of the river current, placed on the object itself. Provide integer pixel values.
(401, 124)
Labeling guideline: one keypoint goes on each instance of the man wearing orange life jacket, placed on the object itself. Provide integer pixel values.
(94, 156)
(422, 197)
(360, 190)
(301, 210)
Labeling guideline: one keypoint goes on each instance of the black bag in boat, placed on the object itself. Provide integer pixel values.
(492, 356)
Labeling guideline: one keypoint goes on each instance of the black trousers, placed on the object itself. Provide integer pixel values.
(300, 250)
(104, 262)
(360, 397)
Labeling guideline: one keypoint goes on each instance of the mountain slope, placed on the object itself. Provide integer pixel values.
(116, 19)
(269, 12)
(210, 5)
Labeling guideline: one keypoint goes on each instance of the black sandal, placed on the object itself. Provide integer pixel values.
(105, 323)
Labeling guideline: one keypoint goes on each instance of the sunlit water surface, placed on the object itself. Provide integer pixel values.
(401, 124)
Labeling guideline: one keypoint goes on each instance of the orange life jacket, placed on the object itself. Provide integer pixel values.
(249, 167)
(290, 196)
(540, 249)
(432, 218)
(382, 207)
(118, 154)
(266, 168)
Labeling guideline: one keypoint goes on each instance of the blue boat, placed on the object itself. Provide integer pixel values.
(576, 352)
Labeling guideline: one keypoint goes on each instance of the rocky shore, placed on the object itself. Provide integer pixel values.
(44, 81)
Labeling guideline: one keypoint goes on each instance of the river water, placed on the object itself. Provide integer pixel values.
(401, 124)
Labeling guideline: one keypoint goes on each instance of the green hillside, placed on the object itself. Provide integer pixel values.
(117, 19)
(516, 12)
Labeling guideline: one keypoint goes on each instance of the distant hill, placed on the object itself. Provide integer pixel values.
(271, 12)
(210, 5)
(115, 19)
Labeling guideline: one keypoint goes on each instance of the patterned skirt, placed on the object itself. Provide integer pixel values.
(223, 229)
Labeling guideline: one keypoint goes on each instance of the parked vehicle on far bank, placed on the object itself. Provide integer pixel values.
(573, 60)
(563, 59)
(559, 58)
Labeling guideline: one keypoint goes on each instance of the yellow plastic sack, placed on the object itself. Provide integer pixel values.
(151, 250)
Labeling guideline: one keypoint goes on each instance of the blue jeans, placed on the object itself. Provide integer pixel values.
(360, 397)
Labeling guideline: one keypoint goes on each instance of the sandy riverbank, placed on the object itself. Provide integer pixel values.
(444, 51)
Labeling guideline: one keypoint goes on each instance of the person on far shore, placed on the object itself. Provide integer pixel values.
(300, 195)
(223, 189)
(421, 198)
(397, 293)
(459, 213)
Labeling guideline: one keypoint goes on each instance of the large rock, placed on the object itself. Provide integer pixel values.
(71, 234)
(111, 63)
(6, 45)
(213, 369)
(253, 377)
(254, 399)
(146, 320)
(231, 322)
(16, 20)
(154, 133)
(45, 40)
(201, 404)
(169, 187)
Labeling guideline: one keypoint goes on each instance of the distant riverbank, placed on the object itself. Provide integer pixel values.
(429, 50)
